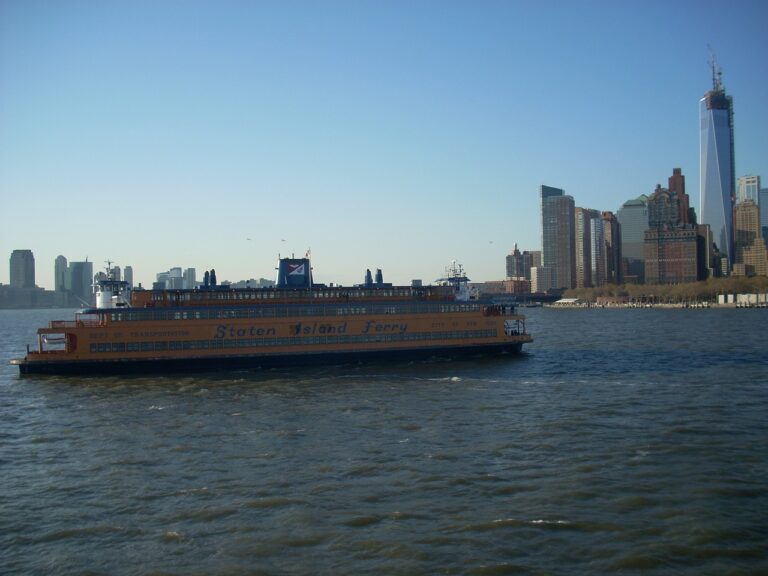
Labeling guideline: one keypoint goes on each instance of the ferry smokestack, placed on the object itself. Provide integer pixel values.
(294, 273)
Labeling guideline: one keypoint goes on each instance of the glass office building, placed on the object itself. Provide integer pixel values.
(763, 205)
(717, 174)
(558, 239)
(633, 217)
(22, 269)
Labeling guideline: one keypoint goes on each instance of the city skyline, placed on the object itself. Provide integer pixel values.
(380, 136)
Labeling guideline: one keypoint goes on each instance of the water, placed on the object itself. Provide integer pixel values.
(624, 442)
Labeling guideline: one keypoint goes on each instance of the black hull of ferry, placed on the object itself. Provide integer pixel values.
(255, 362)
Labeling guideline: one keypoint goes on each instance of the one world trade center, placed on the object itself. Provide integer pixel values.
(717, 170)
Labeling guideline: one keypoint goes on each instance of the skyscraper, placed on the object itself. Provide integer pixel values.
(763, 205)
(748, 188)
(671, 245)
(516, 264)
(663, 209)
(677, 186)
(22, 269)
(612, 232)
(633, 218)
(189, 278)
(558, 241)
(716, 165)
(751, 256)
(79, 281)
(60, 274)
(598, 257)
(590, 248)
(582, 231)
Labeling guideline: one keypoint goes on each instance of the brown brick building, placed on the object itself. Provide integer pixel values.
(751, 258)
(671, 243)
(670, 255)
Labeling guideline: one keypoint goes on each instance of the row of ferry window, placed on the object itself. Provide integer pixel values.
(282, 311)
(326, 294)
(263, 342)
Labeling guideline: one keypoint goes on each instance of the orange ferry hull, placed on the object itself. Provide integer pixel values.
(253, 361)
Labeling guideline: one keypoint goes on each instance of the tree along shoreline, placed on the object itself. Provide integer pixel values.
(705, 291)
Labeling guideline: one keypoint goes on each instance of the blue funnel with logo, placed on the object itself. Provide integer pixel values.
(294, 273)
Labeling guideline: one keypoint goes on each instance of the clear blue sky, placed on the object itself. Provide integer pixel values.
(399, 135)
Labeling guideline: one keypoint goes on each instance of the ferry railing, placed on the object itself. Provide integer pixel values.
(62, 324)
(197, 297)
(78, 323)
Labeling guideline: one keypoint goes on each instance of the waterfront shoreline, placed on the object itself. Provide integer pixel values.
(675, 306)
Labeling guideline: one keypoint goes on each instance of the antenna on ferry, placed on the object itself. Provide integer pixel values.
(308, 256)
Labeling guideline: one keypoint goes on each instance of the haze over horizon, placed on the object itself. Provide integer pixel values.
(389, 135)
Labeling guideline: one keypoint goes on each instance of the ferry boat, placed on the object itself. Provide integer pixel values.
(296, 322)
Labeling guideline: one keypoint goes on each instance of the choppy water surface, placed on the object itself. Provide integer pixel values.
(625, 441)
